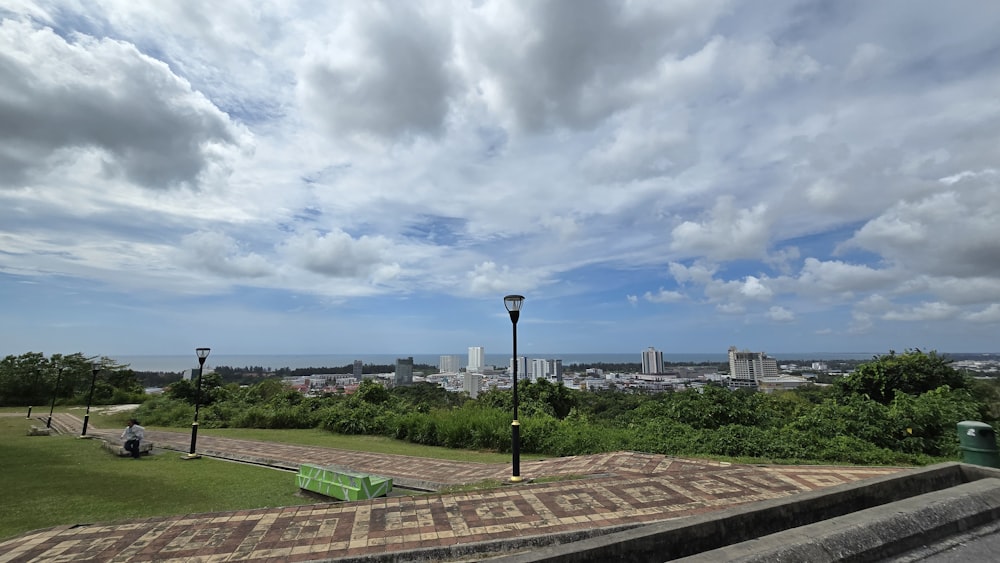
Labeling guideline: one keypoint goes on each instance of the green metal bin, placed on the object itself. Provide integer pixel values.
(978, 443)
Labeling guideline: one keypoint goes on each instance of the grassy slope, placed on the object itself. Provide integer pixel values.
(57, 480)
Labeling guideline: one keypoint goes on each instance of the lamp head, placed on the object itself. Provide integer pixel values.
(95, 366)
(202, 353)
(513, 304)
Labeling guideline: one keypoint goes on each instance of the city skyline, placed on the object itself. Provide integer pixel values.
(273, 177)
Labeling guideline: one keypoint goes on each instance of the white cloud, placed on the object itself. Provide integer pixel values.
(633, 300)
(60, 98)
(488, 278)
(990, 314)
(339, 255)
(728, 233)
(780, 314)
(950, 233)
(220, 254)
(924, 312)
(663, 296)
(756, 288)
(730, 308)
(384, 71)
(699, 272)
(834, 276)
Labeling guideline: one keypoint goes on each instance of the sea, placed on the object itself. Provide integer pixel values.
(299, 361)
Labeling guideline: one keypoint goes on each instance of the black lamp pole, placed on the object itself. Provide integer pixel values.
(95, 368)
(513, 305)
(202, 354)
(55, 393)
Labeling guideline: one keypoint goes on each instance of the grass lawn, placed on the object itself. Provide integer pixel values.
(375, 444)
(55, 480)
(305, 437)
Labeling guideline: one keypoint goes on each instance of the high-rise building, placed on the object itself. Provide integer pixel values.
(358, 371)
(477, 359)
(449, 364)
(747, 368)
(522, 367)
(652, 361)
(542, 368)
(404, 372)
(472, 383)
(555, 371)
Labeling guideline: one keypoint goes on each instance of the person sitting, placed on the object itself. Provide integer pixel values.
(133, 435)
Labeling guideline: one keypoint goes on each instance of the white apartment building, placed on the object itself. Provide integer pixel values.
(472, 383)
(477, 359)
(747, 368)
(449, 364)
(522, 367)
(652, 361)
(542, 368)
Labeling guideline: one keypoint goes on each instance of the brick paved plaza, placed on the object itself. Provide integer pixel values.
(620, 489)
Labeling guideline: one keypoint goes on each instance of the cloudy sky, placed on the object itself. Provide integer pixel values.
(364, 177)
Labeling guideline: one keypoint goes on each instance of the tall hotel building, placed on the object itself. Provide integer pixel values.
(746, 368)
(477, 359)
(652, 361)
(449, 364)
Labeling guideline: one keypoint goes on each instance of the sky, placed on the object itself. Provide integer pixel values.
(373, 177)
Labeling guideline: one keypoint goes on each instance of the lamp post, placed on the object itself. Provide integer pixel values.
(202, 354)
(55, 393)
(513, 305)
(95, 368)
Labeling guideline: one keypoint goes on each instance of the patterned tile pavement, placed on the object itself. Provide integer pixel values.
(626, 489)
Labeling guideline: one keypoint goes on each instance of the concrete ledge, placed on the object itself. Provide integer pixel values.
(875, 533)
(698, 534)
(145, 448)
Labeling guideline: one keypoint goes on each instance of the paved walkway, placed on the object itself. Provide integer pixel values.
(624, 489)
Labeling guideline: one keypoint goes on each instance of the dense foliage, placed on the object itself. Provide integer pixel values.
(34, 379)
(895, 409)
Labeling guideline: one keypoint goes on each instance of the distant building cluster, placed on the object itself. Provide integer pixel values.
(747, 370)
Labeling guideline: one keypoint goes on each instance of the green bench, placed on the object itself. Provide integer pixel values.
(343, 485)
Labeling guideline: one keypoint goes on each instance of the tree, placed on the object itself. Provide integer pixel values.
(31, 378)
(912, 372)
(24, 380)
(187, 389)
(547, 397)
(372, 392)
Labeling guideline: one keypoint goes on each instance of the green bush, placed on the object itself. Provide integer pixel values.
(164, 411)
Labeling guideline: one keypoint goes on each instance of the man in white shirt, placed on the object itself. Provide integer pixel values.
(133, 434)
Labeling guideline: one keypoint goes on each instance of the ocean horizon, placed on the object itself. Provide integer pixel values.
(178, 363)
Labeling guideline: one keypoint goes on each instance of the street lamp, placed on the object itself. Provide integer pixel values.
(95, 368)
(55, 393)
(513, 305)
(202, 354)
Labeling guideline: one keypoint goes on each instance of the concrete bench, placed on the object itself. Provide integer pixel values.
(118, 448)
(39, 431)
(343, 485)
